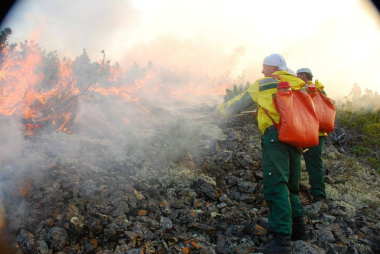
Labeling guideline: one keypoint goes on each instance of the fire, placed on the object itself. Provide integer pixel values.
(17, 78)
(46, 92)
(25, 91)
(120, 92)
(22, 188)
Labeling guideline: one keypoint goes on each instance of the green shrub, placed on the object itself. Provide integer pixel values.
(236, 90)
(364, 128)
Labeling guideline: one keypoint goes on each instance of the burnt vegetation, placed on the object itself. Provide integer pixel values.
(100, 173)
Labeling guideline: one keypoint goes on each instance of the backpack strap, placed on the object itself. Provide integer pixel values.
(277, 77)
(271, 118)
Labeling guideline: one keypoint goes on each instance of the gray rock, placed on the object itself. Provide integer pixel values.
(328, 219)
(363, 249)
(222, 205)
(57, 238)
(43, 247)
(325, 234)
(246, 187)
(89, 190)
(165, 223)
(247, 162)
(25, 240)
(123, 207)
(316, 209)
(206, 189)
(302, 247)
(247, 198)
(232, 181)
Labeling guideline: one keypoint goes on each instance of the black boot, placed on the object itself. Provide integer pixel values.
(281, 244)
(299, 229)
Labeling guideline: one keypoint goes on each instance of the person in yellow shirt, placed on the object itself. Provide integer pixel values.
(313, 156)
(281, 161)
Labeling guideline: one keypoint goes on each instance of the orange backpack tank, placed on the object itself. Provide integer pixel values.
(299, 125)
(324, 108)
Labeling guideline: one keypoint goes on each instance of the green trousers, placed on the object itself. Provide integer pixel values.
(281, 173)
(314, 167)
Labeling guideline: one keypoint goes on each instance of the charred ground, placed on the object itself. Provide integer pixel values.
(184, 183)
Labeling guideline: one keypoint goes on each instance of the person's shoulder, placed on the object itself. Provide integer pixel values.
(294, 81)
(318, 84)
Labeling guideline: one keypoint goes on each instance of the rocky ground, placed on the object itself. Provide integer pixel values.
(191, 184)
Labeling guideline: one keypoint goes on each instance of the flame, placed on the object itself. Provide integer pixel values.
(49, 101)
(17, 78)
(22, 187)
(115, 73)
(21, 93)
(121, 92)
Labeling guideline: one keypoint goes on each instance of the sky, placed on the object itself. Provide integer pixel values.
(339, 40)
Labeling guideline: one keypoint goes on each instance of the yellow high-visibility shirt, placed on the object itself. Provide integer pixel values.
(262, 92)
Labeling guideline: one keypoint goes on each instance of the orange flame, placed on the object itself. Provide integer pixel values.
(21, 93)
(18, 76)
(22, 90)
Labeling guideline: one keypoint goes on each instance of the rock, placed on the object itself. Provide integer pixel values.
(325, 234)
(90, 190)
(316, 209)
(247, 198)
(329, 219)
(246, 187)
(362, 248)
(205, 188)
(232, 181)
(203, 227)
(302, 247)
(123, 207)
(57, 238)
(25, 240)
(247, 162)
(165, 223)
(136, 200)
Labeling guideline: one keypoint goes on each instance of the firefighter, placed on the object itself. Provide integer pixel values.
(313, 156)
(281, 162)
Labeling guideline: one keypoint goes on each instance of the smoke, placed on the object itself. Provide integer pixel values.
(214, 38)
(173, 56)
(84, 112)
(12, 138)
(179, 54)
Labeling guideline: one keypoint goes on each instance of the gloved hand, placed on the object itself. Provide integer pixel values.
(254, 112)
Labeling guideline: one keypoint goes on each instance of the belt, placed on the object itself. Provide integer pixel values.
(272, 127)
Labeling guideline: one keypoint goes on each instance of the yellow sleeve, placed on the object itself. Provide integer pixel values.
(320, 87)
(236, 104)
